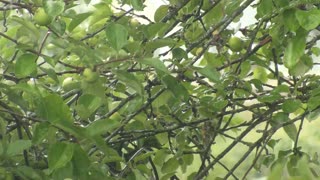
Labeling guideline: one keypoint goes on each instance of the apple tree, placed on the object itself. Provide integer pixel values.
(100, 90)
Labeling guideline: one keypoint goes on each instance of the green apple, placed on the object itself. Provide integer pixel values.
(134, 23)
(90, 76)
(236, 44)
(260, 73)
(50, 46)
(69, 84)
(41, 17)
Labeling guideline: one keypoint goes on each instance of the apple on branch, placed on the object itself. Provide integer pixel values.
(90, 76)
(236, 44)
(41, 17)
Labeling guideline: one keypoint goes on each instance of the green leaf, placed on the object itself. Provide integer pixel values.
(59, 26)
(303, 66)
(134, 104)
(279, 118)
(170, 166)
(143, 156)
(158, 43)
(315, 89)
(308, 19)
(64, 172)
(40, 132)
(137, 5)
(219, 104)
(59, 154)
(291, 131)
(291, 105)
(276, 172)
(53, 109)
(273, 142)
(130, 80)
(291, 21)
(25, 65)
(178, 90)
(269, 98)
(188, 159)
(111, 155)
(162, 99)
(50, 60)
(78, 20)
(69, 127)
(281, 89)
(54, 8)
(295, 49)
(87, 104)
(257, 84)
(95, 88)
(156, 63)
(51, 73)
(315, 51)
(313, 115)
(245, 69)
(217, 13)
(313, 102)
(80, 162)
(27, 25)
(17, 147)
(210, 72)
(277, 32)
(160, 157)
(117, 35)
(282, 154)
(292, 165)
(265, 7)
(28, 173)
(304, 168)
(179, 53)
(282, 3)
(102, 126)
(160, 13)
(101, 12)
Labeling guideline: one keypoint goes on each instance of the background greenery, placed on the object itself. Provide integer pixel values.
(95, 90)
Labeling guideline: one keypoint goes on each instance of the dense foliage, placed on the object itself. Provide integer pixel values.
(96, 90)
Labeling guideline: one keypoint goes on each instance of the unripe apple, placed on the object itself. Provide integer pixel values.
(260, 73)
(90, 76)
(134, 23)
(69, 84)
(41, 17)
(236, 44)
